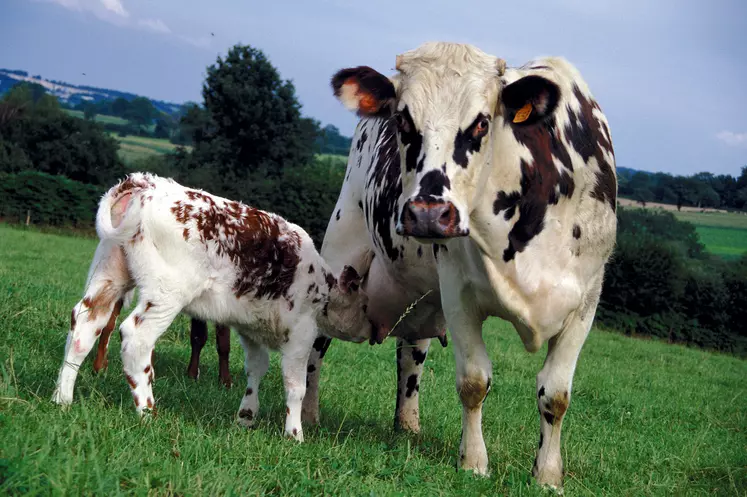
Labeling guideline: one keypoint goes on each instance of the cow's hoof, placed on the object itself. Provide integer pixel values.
(549, 479)
(478, 465)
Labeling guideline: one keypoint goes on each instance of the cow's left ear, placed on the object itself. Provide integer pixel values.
(365, 91)
(530, 99)
(350, 280)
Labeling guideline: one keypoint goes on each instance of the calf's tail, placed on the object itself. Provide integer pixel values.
(119, 214)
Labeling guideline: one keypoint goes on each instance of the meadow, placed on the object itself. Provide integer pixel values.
(100, 118)
(723, 234)
(647, 418)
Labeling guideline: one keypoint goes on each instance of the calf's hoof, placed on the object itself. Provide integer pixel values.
(310, 417)
(61, 399)
(409, 424)
(294, 433)
(477, 462)
(246, 418)
(226, 381)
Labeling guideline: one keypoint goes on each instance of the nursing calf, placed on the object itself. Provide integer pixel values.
(188, 251)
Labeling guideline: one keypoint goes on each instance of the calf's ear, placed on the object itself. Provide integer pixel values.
(529, 99)
(365, 91)
(350, 280)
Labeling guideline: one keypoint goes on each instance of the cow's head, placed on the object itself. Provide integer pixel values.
(447, 100)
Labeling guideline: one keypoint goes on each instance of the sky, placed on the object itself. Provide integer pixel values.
(671, 75)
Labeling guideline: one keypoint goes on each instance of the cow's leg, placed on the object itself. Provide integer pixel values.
(197, 337)
(95, 315)
(310, 407)
(554, 396)
(256, 362)
(140, 332)
(223, 346)
(295, 357)
(473, 376)
(410, 359)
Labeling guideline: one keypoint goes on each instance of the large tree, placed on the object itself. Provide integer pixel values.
(255, 118)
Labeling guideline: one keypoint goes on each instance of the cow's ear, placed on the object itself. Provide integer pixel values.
(365, 91)
(530, 99)
(350, 280)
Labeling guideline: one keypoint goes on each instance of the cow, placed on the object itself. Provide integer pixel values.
(215, 259)
(476, 190)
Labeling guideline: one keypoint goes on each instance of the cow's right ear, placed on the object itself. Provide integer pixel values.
(365, 91)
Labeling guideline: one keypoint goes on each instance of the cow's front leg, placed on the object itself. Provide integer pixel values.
(410, 359)
(554, 396)
(473, 375)
(310, 408)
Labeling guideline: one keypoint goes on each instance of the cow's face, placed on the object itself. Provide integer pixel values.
(345, 313)
(447, 101)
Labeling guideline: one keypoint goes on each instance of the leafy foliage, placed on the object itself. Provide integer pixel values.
(661, 283)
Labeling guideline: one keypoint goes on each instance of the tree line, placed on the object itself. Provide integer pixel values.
(700, 190)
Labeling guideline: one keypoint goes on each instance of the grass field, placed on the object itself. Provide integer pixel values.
(132, 148)
(646, 418)
(99, 117)
(723, 234)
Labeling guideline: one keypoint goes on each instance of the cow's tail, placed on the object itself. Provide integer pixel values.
(120, 210)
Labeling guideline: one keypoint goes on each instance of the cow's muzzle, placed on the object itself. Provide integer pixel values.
(423, 219)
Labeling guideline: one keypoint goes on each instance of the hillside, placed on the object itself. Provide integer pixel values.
(73, 94)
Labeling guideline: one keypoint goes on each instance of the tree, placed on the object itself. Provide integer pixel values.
(89, 111)
(255, 117)
(140, 111)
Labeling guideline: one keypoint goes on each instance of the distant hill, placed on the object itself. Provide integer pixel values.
(75, 94)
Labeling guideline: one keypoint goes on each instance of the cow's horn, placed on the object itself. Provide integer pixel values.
(398, 64)
(500, 64)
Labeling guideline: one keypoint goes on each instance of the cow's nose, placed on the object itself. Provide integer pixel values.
(423, 219)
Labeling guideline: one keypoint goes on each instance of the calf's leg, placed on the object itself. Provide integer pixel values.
(310, 407)
(223, 345)
(197, 337)
(410, 359)
(256, 362)
(295, 357)
(95, 315)
(140, 332)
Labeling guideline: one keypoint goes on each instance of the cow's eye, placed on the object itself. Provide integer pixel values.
(402, 123)
(481, 127)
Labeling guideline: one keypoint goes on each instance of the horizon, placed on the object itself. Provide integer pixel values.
(679, 109)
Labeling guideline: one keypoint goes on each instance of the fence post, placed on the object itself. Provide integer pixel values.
(28, 216)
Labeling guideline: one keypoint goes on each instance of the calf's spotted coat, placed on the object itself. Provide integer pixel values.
(215, 259)
(484, 191)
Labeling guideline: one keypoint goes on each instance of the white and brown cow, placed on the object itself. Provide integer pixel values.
(489, 192)
(215, 259)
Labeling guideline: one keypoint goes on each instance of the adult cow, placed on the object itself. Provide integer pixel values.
(493, 189)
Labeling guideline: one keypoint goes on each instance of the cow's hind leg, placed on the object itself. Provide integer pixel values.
(554, 395)
(256, 362)
(310, 408)
(223, 346)
(410, 359)
(95, 315)
(197, 338)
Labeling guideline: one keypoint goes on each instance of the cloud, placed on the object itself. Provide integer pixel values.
(733, 139)
(155, 25)
(116, 7)
(199, 42)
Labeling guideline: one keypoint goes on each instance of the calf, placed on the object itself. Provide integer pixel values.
(215, 259)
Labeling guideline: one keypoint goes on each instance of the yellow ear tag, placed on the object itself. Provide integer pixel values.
(523, 113)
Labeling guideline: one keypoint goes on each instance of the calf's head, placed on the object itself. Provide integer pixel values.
(447, 101)
(344, 315)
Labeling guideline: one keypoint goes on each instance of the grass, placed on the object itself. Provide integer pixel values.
(723, 234)
(132, 148)
(646, 418)
(104, 119)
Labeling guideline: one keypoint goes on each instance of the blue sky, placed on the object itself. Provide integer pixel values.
(671, 75)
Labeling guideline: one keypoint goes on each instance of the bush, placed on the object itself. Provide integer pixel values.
(48, 200)
(660, 282)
